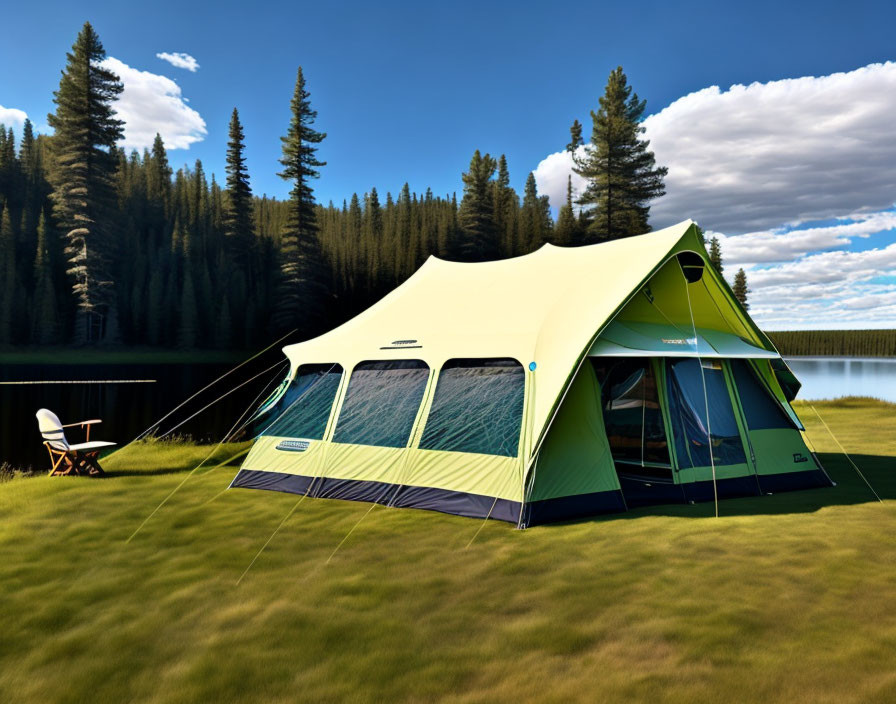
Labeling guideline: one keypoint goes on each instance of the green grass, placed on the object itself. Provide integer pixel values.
(118, 355)
(786, 598)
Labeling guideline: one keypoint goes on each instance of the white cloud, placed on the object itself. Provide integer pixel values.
(12, 117)
(769, 159)
(757, 156)
(785, 245)
(179, 59)
(152, 103)
(820, 289)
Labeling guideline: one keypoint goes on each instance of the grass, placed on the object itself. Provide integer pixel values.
(784, 598)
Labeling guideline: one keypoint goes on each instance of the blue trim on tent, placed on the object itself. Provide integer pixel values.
(564, 508)
(650, 493)
(459, 503)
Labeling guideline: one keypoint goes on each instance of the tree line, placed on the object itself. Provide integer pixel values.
(836, 343)
(101, 246)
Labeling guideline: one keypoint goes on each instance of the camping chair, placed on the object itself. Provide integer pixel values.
(79, 459)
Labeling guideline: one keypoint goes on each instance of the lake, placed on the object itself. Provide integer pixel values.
(127, 397)
(834, 377)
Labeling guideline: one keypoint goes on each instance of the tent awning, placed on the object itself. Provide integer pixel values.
(632, 339)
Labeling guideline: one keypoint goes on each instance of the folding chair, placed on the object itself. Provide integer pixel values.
(79, 459)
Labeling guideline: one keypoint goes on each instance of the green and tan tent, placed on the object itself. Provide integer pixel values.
(566, 382)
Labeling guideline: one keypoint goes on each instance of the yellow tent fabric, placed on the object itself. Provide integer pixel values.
(546, 307)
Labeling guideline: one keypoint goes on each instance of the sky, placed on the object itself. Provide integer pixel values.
(776, 120)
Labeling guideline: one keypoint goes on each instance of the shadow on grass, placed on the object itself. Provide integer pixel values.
(879, 470)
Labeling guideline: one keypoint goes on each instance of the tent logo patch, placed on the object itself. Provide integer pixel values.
(799, 457)
(293, 445)
(402, 345)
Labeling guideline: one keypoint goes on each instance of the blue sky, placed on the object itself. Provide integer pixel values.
(407, 91)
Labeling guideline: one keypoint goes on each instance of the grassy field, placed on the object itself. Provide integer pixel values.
(787, 598)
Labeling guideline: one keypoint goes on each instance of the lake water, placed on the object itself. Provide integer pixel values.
(126, 409)
(834, 377)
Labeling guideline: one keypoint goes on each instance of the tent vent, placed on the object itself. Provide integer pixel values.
(692, 266)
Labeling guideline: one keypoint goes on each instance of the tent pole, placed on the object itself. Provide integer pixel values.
(712, 460)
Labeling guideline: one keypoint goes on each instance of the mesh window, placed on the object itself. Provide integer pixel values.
(632, 414)
(689, 413)
(477, 407)
(381, 403)
(760, 409)
(303, 410)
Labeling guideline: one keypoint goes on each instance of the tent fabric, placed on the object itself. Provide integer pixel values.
(469, 389)
(634, 339)
(545, 307)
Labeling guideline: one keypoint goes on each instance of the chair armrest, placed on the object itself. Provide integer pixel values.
(82, 423)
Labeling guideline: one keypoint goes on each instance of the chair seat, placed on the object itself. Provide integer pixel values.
(90, 446)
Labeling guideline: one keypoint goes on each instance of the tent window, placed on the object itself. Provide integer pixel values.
(477, 407)
(689, 413)
(303, 411)
(760, 410)
(632, 414)
(381, 403)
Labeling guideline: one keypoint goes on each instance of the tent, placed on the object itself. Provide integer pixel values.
(562, 383)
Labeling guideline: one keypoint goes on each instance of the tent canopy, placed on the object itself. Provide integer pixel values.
(546, 308)
(633, 339)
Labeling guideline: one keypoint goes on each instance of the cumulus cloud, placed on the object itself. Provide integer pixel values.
(757, 156)
(179, 59)
(815, 277)
(152, 103)
(785, 244)
(12, 117)
(799, 176)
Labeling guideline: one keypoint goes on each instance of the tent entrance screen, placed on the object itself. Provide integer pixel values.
(702, 417)
(633, 417)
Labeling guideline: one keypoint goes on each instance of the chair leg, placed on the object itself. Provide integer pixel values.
(93, 462)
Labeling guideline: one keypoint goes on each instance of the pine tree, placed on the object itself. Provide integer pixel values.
(86, 131)
(479, 241)
(740, 289)
(372, 227)
(45, 322)
(504, 211)
(575, 137)
(566, 230)
(302, 290)
(715, 254)
(28, 155)
(535, 217)
(187, 333)
(158, 190)
(238, 218)
(622, 177)
(8, 285)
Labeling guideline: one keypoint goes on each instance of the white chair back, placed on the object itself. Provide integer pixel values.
(51, 429)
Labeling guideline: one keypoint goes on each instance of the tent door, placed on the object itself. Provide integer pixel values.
(635, 429)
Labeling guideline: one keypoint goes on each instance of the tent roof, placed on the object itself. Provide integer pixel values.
(545, 307)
